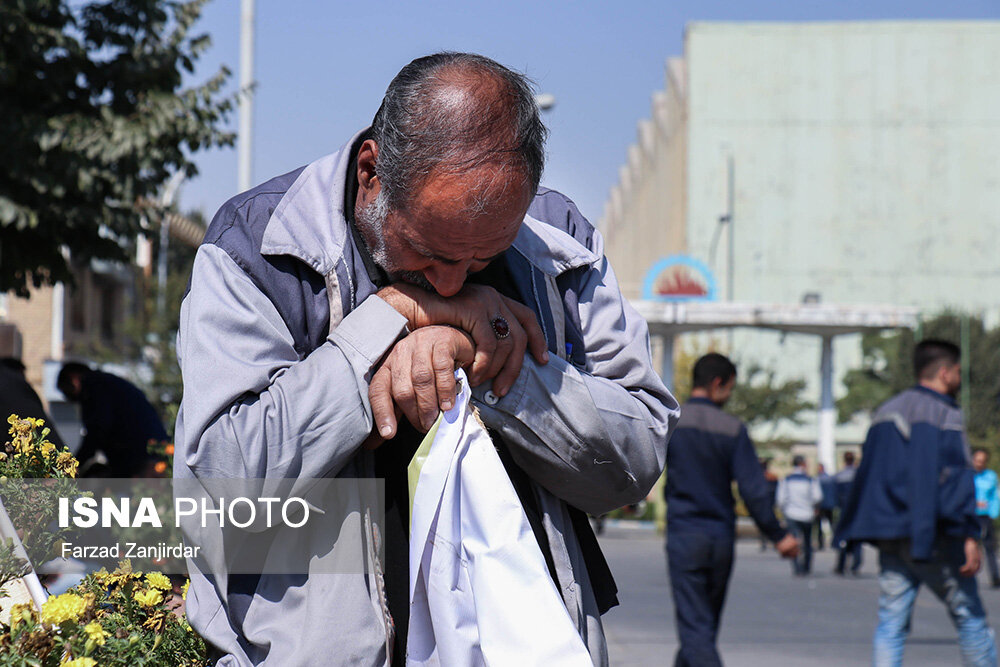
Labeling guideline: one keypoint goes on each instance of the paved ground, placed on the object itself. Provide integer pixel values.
(771, 618)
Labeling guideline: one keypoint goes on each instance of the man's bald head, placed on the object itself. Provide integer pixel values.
(457, 113)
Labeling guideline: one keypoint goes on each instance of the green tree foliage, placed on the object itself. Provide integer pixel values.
(760, 398)
(93, 120)
(887, 369)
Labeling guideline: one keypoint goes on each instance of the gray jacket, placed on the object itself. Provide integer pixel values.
(280, 333)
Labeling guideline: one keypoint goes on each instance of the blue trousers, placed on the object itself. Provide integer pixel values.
(699, 566)
(899, 581)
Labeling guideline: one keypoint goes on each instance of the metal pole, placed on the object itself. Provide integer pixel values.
(730, 195)
(966, 363)
(826, 445)
(245, 157)
(667, 360)
(34, 586)
(162, 261)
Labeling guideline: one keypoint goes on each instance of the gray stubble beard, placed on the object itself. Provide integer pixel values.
(372, 219)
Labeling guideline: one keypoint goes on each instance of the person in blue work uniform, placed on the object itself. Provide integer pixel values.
(799, 496)
(843, 481)
(709, 450)
(914, 498)
(987, 510)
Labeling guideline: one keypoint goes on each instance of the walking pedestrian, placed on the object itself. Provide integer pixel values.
(914, 498)
(826, 507)
(843, 481)
(987, 510)
(772, 490)
(709, 450)
(798, 497)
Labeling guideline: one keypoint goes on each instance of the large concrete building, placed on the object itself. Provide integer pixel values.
(865, 170)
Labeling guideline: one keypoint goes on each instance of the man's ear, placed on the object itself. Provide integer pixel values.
(368, 181)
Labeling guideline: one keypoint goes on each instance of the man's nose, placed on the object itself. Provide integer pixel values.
(447, 280)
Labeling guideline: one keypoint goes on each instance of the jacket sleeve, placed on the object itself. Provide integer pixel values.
(594, 436)
(753, 487)
(817, 492)
(251, 407)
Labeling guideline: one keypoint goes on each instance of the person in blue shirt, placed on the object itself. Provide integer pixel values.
(987, 509)
(914, 498)
(708, 450)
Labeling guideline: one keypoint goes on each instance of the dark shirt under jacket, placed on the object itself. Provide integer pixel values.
(708, 450)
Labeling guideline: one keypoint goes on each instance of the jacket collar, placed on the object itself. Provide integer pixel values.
(550, 250)
(936, 394)
(702, 400)
(309, 223)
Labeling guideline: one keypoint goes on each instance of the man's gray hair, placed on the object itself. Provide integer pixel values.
(455, 111)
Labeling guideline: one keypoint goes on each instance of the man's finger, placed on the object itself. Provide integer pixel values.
(508, 373)
(380, 398)
(424, 378)
(443, 362)
(536, 339)
(403, 392)
(486, 342)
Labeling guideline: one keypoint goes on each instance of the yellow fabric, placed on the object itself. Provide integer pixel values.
(417, 462)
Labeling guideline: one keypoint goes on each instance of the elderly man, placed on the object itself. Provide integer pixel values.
(327, 312)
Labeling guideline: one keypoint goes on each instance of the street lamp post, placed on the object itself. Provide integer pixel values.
(245, 156)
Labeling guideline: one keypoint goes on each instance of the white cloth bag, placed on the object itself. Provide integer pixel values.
(480, 591)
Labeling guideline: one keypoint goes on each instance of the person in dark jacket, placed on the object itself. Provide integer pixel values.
(17, 397)
(118, 419)
(843, 481)
(772, 489)
(708, 451)
(915, 500)
(826, 506)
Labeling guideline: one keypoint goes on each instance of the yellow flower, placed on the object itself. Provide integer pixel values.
(157, 580)
(38, 422)
(47, 448)
(21, 613)
(67, 463)
(95, 633)
(19, 426)
(148, 598)
(62, 608)
(78, 662)
(184, 591)
(22, 443)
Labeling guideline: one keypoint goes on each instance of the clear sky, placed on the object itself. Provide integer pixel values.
(322, 67)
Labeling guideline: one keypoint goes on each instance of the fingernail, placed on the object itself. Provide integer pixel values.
(446, 404)
(545, 357)
(385, 430)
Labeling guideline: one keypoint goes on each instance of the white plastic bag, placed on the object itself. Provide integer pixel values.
(480, 591)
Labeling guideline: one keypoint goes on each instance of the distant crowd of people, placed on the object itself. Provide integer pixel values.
(919, 496)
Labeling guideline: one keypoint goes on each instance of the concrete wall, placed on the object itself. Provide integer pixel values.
(867, 158)
(867, 170)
